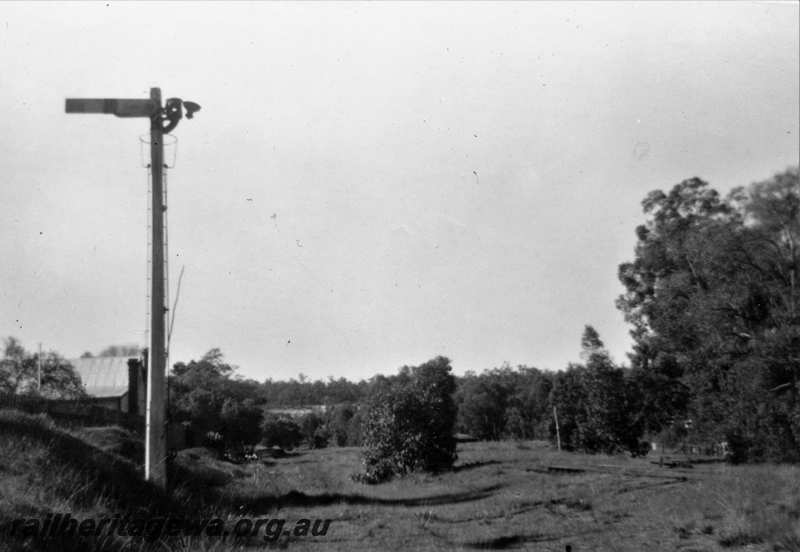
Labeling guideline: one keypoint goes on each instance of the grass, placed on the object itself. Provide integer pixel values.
(500, 496)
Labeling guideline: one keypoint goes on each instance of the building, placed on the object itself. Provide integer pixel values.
(119, 385)
(115, 383)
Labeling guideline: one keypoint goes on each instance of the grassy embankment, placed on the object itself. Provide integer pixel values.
(500, 496)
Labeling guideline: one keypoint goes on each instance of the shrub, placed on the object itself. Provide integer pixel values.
(340, 422)
(312, 427)
(281, 432)
(240, 423)
(409, 422)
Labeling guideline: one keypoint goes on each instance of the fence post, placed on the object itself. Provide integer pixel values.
(558, 432)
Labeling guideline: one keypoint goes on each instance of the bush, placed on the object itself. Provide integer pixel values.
(596, 408)
(342, 422)
(313, 429)
(321, 438)
(355, 429)
(409, 422)
(240, 423)
(281, 432)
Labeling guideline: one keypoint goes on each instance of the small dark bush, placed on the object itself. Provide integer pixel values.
(281, 432)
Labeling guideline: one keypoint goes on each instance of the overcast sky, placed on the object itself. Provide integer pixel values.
(371, 185)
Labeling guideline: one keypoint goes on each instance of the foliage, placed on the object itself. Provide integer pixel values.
(355, 428)
(339, 421)
(281, 432)
(481, 405)
(20, 370)
(712, 295)
(596, 403)
(207, 394)
(240, 422)
(120, 351)
(314, 431)
(409, 422)
(301, 392)
(504, 402)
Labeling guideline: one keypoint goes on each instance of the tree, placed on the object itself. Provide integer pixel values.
(313, 429)
(339, 420)
(436, 386)
(515, 423)
(355, 428)
(281, 432)
(120, 351)
(59, 379)
(294, 393)
(532, 397)
(208, 394)
(712, 296)
(591, 344)
(482, 407)
(504, 402)
(20, 370)
(17, 368)
(567, 397)
(240, 422)
(595, 403)
(410, 421)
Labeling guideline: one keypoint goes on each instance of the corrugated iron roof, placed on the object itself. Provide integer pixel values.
(103, 376)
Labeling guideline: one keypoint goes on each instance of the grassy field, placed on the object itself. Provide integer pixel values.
(506, 495)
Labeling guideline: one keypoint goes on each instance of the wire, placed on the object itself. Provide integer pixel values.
(175, 307)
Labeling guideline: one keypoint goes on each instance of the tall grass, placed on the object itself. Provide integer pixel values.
(500, 495)
(760, 504)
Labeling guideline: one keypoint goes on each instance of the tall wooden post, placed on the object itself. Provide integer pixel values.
(155, 452)
(162, 120)
(558, 432)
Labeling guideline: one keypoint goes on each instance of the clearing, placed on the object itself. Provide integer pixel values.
(500, 496)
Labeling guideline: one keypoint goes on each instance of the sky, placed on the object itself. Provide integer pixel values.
(369, 185)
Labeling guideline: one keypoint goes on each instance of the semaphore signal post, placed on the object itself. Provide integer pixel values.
(163, 119)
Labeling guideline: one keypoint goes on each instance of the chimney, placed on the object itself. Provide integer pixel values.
(141, 399)
(137, 384)
(133, 385)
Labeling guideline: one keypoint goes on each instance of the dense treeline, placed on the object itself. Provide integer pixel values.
(596, 403)
(711, 295)
(504, 403)
(298, 392)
